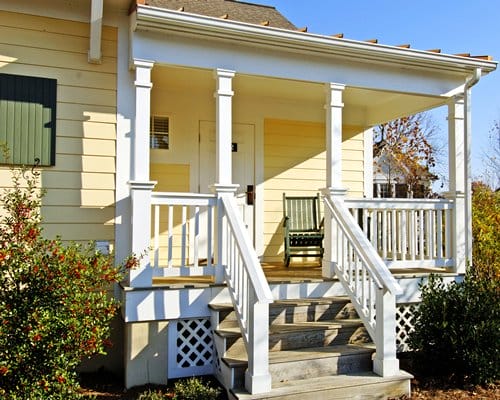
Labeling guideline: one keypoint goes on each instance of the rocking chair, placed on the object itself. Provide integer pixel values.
(303, 231)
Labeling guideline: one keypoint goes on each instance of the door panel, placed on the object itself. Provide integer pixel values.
(242, 165)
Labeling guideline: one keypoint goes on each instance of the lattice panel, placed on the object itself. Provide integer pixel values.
(405, 318)
(191, 349)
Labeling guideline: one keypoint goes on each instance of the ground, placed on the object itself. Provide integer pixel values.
(107, 387)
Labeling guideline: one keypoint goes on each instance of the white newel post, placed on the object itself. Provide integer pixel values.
(257, 376)
(333, 107)
(385, 362)
(140, 185)
(457, 172)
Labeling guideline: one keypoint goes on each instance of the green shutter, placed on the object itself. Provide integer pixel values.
(28, 119)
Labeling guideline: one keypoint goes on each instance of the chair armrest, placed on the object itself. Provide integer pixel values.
(285, 222)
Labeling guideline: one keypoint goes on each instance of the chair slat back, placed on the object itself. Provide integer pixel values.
(303, 213)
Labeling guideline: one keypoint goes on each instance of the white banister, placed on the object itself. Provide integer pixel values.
(368, 282)
(183, 233)
(408, 233)
(250, 294)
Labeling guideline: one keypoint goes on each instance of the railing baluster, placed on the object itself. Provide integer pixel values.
(384, 234)
(156, 236)
(184, 236)
(170, 233)
(209, 235)
(439, 234)
(394, 235)
(421, 234)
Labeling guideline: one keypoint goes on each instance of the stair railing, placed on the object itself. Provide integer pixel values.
(249, 291)
(367, 280)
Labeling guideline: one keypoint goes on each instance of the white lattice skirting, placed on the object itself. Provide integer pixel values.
(191, 349)
(405, 321)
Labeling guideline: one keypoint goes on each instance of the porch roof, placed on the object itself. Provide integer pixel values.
(155, 17)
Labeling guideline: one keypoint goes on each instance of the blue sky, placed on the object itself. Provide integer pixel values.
(458, 26)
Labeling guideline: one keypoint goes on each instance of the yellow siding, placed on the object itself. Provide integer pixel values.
(79, 204)
(294, 163)
(170, 178)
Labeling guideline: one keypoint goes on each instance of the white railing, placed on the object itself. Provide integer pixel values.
(249, 290)
(367, 280)
(183, 231)
(407, 232)
(195, 234)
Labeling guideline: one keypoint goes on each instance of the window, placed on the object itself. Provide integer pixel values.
(159, 130)
(28, 119)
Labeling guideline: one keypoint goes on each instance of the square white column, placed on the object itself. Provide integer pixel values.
(140, 185)
(140, 153)
(223, 126)
(457, 158)
(334, 107)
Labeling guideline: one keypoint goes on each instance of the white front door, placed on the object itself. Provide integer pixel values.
(243, 166)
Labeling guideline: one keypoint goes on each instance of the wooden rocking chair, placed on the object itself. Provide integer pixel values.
(303, 227)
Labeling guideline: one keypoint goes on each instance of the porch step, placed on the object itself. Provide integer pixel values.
(295, 335)
(340, 387)
(315, 346)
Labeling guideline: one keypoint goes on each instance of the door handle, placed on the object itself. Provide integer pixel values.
(250, 195)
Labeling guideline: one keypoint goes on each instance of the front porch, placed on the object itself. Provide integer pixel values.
(246, 123)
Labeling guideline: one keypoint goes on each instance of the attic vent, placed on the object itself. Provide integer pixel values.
(159, 131)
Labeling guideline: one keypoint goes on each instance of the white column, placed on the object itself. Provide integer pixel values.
(457, 159)
(140, 185)
(143, 85)
(223, 126)
(333, 107)
(468, 175)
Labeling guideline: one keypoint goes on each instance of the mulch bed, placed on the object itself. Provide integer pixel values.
(105, 386)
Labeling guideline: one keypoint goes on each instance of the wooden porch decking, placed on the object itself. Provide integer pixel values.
(276, 272)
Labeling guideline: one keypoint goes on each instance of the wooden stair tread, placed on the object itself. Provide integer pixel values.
(313, 387)
(311, 353)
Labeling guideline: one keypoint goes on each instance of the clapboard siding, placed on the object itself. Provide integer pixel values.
(79, 204)
(52, 25)
(170, 178)
(295, 163)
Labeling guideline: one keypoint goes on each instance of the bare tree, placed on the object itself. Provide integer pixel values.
(406, 149)
(491, 158)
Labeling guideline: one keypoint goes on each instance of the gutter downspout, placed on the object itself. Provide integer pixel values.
(96, 12)
(468, 170)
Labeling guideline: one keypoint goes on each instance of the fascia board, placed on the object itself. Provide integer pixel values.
(158, 19)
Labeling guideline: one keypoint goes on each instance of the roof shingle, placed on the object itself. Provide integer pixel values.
(228, 9)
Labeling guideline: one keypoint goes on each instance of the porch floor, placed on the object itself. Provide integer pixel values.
(276, 272)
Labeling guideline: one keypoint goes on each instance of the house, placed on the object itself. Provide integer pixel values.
(390, 176)
(176, 126)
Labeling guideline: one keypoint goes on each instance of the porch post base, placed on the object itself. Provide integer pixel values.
(386, 367)
(334, 192)
(222, 188)
(257, 383)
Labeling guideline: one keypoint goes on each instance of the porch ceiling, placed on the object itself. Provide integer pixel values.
(361, 106)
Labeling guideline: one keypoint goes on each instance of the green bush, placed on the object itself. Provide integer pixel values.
(154, 395)
(457, 330)
(485, 230)
(194, 389)
(55, 307)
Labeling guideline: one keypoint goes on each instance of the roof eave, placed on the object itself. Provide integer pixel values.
(159, 19)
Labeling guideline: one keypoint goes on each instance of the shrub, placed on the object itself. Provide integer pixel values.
(154, 395)
(193, 389)
(485, 232)
(54, 303)
(457, 330)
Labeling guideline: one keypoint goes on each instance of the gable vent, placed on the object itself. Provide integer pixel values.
(159, 132)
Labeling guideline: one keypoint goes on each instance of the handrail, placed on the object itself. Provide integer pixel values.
(251, 262)
(362, 246)
(249, 292)
(408, 232)
(366, 279)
